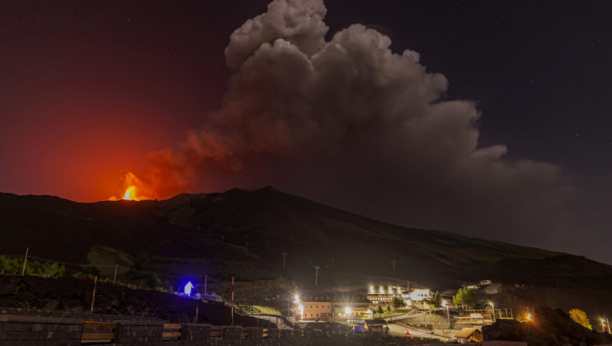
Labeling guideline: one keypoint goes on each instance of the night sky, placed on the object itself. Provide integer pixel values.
(89, 89)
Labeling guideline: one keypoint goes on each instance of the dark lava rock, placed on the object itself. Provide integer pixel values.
(51, 305)
(8, 289)
(548, 328)
(75, 296)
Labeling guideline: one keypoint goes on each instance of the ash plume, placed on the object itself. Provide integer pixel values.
(347, 122)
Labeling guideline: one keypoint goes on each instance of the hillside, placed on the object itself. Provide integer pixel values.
(350, 248)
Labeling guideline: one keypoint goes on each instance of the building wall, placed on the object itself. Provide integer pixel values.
(420, 294)
(357, 309)
(321, 310)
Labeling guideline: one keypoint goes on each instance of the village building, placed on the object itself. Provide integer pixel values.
(466, 335)
(316, 307)
(375, 326)
(384, 295)
(351, 306)
(420, 294)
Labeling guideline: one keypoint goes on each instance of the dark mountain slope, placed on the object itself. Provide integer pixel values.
(220, 225)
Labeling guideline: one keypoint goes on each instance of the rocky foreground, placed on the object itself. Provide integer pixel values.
(74, 296)
(548, 328)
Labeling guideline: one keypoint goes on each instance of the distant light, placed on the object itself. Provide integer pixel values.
(528, 317)
(297, 298)
(301, 309)
(188, 288)
(381, 290)
(348, 311)
(444, 303)
(492, 305)
(371, 289)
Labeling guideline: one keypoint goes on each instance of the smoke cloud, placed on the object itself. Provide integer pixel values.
(349, 123)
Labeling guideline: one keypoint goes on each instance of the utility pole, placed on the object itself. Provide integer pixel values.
(115, 277)
(93, 296)
(284, 258)
(394, 261)
(317, 274)
(232, 300)
(25, 261)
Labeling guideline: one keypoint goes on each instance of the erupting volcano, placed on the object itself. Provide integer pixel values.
(133, 192)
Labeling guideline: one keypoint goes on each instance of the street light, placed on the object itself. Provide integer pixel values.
(603, 325)
(301, 310)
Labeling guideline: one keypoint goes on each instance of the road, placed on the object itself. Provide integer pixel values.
(400, 330)
(279, 321)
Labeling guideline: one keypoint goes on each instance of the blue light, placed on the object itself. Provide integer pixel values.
(188, 288)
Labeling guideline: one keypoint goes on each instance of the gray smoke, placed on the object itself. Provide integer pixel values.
(349, 123)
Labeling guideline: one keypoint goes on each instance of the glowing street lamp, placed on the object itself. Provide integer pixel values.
(297, 299)
(529, 317)
(301, 310)
(348, 311)
(603, 325)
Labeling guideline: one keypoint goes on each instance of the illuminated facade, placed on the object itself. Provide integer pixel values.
(420, 294)
(316, 307)
(384, 295)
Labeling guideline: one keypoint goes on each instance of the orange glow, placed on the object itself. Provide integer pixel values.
(133, 189)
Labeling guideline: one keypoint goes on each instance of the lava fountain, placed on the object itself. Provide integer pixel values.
(132, 190)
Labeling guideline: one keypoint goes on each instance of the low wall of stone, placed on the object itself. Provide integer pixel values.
(44, 331)
(16, 330)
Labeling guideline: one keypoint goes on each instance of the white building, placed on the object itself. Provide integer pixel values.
(419, 294)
